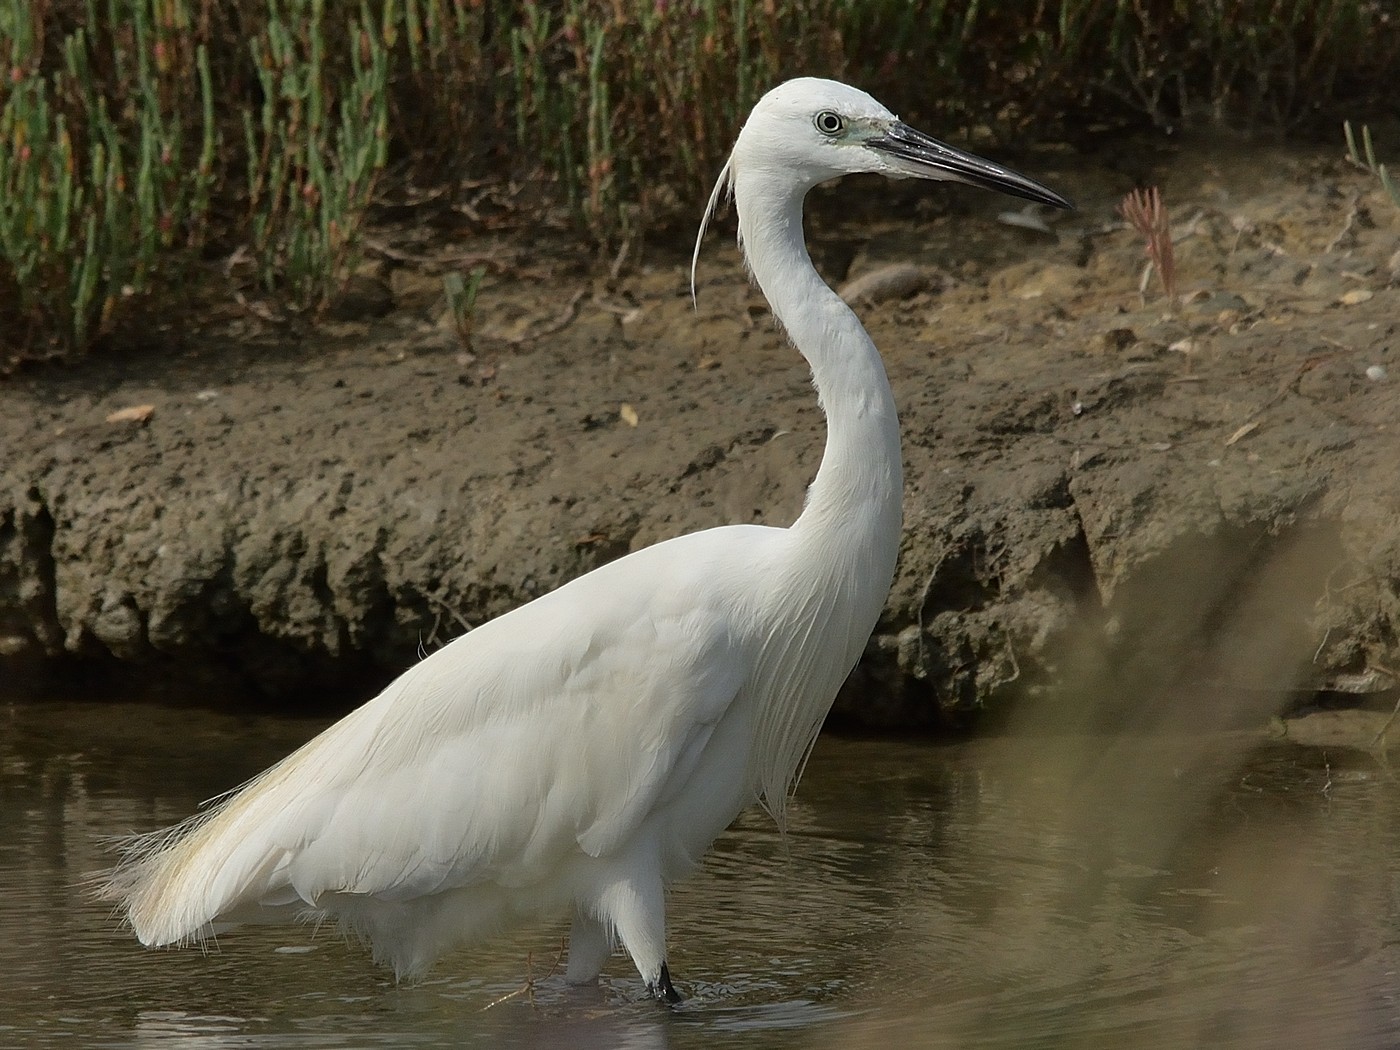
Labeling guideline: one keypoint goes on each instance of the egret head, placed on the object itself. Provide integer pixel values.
(807, 131)
(813, 130)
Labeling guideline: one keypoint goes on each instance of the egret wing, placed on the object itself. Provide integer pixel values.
(547, 756)
(553, 729)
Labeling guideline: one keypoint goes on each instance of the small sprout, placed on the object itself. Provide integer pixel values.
(1144, 211)
(461, 301)
(1365, 158)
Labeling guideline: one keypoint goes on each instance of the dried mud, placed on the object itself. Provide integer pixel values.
(1104, 498)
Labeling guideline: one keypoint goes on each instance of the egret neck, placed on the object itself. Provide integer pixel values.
(844, 544)
(854, 507)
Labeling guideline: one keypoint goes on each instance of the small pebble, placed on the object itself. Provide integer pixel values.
(1028, 218)
(896, 281)
(1376, 373)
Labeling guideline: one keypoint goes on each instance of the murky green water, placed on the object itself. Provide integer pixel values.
(1035, 891)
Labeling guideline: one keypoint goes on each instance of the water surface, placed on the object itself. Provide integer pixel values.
(1026, 891)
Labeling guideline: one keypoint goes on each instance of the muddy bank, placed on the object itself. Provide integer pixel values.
(1104, 498)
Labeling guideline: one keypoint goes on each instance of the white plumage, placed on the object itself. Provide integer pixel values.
(577, 755)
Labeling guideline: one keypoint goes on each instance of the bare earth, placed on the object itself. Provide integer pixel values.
(1104, 498)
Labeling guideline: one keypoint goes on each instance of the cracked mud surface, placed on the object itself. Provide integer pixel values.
(1102, 496)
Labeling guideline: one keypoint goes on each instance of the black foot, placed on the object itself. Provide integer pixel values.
(663, 989)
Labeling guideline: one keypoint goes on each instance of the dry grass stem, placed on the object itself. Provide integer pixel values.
(528, 988)
(1144, 211)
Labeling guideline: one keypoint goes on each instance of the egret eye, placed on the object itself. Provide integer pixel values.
(829, 123)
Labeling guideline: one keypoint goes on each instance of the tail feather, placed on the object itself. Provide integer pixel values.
(236, 857)
(171, 885)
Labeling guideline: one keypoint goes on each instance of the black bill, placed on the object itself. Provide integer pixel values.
(924, 157)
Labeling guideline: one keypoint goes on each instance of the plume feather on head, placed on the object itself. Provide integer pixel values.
(724, 187)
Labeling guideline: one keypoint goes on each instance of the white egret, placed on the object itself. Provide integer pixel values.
(578, 754)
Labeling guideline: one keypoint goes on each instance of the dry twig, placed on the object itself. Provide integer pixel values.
(528, 988)
(565, 318)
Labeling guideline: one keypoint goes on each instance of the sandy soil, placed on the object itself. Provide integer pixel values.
(1105, 498)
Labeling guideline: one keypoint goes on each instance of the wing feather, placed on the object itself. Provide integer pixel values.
(553, 729)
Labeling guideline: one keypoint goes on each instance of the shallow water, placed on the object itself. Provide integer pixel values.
(1026, 891)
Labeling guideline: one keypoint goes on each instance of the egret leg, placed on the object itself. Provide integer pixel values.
(590, 944)
(664, 989)
(637, 906)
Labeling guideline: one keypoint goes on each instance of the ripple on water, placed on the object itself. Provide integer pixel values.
(1012, 893)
